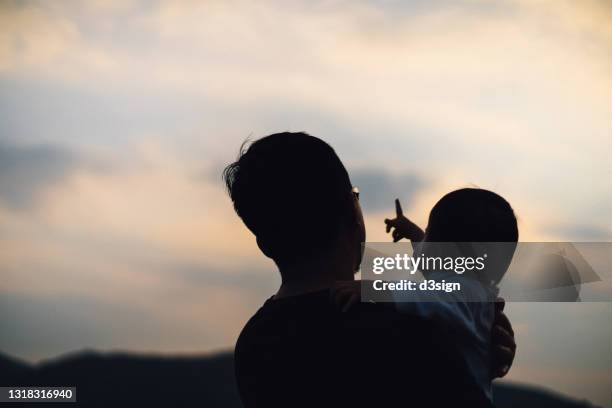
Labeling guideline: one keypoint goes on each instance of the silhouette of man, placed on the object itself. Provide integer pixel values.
(299, 349)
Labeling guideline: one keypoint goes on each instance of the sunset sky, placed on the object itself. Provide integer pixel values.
(117, 118)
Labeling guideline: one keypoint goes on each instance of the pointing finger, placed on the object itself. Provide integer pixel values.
(398, 208)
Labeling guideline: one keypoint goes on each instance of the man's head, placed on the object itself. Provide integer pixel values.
(293, 192)
(472, 215)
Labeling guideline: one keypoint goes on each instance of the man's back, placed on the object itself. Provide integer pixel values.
(302, 351)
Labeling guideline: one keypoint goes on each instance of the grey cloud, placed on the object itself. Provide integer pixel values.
(379, 188)
(188, 276)
(34, 326)
(581, 232)
(25, 170)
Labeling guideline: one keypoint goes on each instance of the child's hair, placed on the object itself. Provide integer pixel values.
(472, 215)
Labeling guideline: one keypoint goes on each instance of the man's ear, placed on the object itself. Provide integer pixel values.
(359, 222)
(359, 236)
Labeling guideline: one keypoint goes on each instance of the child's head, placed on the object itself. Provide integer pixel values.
(472, 215)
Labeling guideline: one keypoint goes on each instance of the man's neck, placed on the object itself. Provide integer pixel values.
(300, 288)
(313, 278)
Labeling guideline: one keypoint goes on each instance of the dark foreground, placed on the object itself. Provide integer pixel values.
(129, 380)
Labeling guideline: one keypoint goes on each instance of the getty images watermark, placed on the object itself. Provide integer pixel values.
(524, 271)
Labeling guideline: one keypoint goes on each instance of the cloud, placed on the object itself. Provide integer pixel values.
(580, 232)
(41, 326)
(378, 188)
(35, 327)
(25, 171)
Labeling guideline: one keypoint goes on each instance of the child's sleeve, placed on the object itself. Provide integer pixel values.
(452, 311)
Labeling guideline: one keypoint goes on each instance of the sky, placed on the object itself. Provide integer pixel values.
(117, 118)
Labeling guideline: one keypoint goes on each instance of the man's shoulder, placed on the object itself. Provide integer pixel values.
(316, 314)
(309, 340)
(320, 305)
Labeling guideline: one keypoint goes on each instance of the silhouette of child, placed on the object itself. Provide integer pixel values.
(469, 218)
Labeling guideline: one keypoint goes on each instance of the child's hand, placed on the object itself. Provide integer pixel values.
(403, 227)
(502, 342)
(346, 293)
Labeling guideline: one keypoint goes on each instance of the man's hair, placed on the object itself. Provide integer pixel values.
(293, 192)
(472, 215)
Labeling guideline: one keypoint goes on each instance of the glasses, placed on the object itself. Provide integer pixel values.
(355, 191)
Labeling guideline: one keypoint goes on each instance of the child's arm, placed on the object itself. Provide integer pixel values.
(455, 314)
(403, 227)
(503, 346)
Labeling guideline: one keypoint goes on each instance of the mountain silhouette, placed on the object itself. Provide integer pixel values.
(129, 380)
